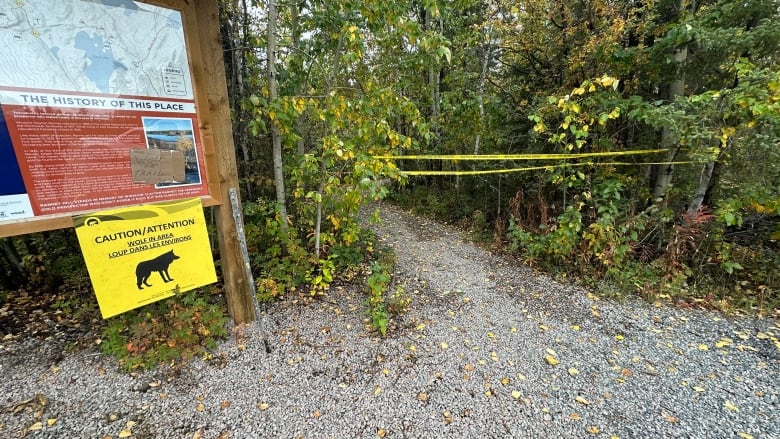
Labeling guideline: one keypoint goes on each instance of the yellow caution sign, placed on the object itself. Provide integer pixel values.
(138, 255)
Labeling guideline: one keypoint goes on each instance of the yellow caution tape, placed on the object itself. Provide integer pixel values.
(577, 155)
(536, 168)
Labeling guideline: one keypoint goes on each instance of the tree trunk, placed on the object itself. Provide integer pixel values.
(663, 180)
(704, 183)
(481, 89)
(276, 136)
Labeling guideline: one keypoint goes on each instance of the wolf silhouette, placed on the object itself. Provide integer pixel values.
(159, 264)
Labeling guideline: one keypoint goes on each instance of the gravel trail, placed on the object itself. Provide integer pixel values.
(488, 349)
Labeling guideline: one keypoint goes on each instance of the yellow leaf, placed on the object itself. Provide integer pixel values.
(444, 345)
(521, 377)
(381, 433)
(543, 327)
(35, 427)
(593, 429)
(200, 407)
(552, 361)
(513, 329)
(377, 391)
(125, 433)
(516, 394)
(575, 327)
(723, 342)
(575, 416)
(51, 421)
(729, 405)
(572, 371)
(263, 406)
(703, 347)
(491, 335)
(224, 404)
(698, 389)
(272, 114)
(505, 381)
(422, 396)
(745, 435)
(582, 400)
(619, 337)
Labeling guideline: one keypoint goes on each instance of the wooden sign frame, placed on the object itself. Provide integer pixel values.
(200, 20)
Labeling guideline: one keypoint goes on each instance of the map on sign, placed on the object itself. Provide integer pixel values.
(119, 47)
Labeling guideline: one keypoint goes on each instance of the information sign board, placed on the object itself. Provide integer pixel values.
(83, 84)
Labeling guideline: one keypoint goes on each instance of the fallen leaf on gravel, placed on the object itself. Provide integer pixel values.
(505, 381)
(316, 414)
(422, 396)
(200, 407)
(670, 419)
(125, 433)
(447, 417)
(626, 372)
(35, 427)
(224, 404)
(698, 389)
(198, 434)
(494, 356)
(263, 406)
(51, 421)
(593, 429)
(378, 390)
(513, 329)
(582, 400)
(551, 360)
(381, 433)
(521, 377)
(703, 347)
(619, 337)
(516, 394)
(543, 327)
(575, 416)
(444, 345)
(572, 371)
(729, 405)
(575, 327)
(745, 435)
(491, 335)
(723, 342)
(595, 311)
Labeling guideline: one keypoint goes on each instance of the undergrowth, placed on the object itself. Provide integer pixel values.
(166, 332)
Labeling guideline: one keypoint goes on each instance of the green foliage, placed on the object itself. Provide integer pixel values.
(166, 332)
(383, 305)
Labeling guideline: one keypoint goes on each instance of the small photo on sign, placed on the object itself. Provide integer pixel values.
(174, 136)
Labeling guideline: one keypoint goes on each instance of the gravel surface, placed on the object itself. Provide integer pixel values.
(488, 349)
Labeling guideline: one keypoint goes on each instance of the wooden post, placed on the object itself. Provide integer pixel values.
(209, 77)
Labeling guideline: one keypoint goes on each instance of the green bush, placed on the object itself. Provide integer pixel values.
(169, 331)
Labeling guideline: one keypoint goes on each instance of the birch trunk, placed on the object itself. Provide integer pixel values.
(276, 137)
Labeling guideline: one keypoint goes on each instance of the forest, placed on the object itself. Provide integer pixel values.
(631, 146)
